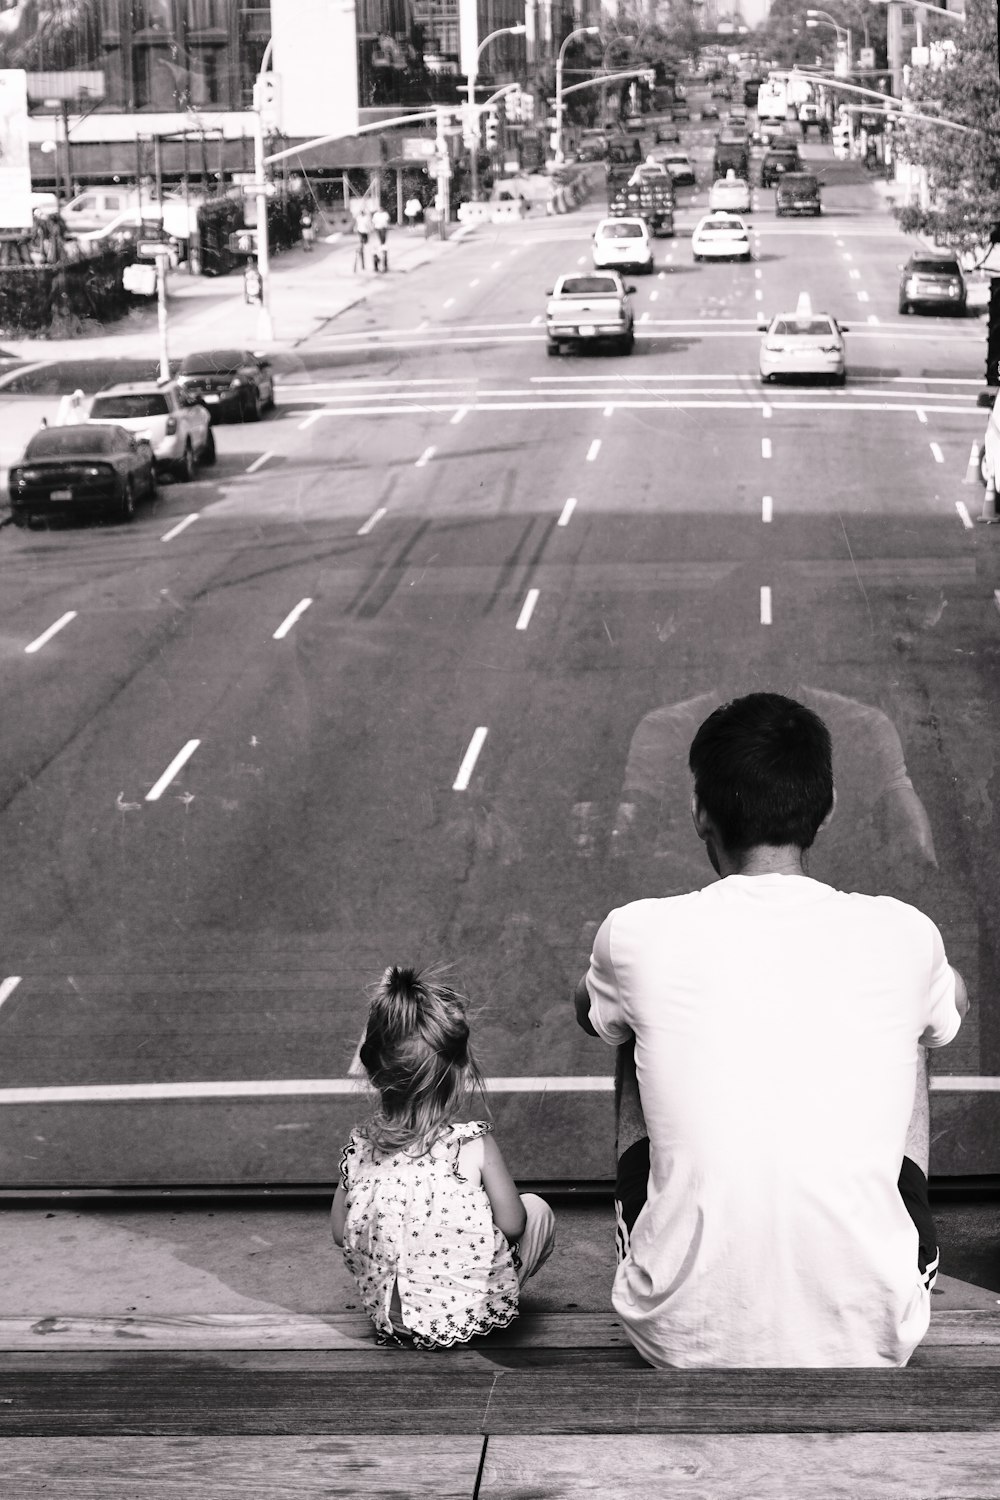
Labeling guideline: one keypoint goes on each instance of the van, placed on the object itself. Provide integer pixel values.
(96, 207)
(797, 193)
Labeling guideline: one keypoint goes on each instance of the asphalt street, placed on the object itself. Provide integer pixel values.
(411, 673)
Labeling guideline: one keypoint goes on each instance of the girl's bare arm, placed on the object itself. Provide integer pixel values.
(338, 1215)
(505, 1201)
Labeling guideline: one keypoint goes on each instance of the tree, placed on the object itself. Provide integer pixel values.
(963, 166)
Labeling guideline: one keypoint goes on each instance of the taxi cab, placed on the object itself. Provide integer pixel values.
(803, 342)
(731, 194)
(720, 236)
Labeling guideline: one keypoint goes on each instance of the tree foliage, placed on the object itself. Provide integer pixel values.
(963, 167)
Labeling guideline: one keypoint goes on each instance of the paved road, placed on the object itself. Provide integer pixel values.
(433, 640)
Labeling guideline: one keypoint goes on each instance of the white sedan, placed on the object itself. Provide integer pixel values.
(622, 242)
(721, 237)
(804, 342)
(730, 194)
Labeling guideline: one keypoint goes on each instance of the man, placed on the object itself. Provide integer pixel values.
(380, 224)
(771, 1217)
(363, 228)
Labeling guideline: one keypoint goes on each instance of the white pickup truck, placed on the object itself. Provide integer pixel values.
(590, 309)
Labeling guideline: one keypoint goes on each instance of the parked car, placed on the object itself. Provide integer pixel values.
(932, 280)
(97, 206)
(622, 242)
(175, 422)
(989, 466)
(81, 470)
(803, 342)
(592, 309)
(232, 382)
(721, 236)
(797, 193)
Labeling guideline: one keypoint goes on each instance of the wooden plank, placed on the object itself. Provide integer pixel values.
(352, 1331)
(875, 1466)
(627, 1401)
(278, 1468)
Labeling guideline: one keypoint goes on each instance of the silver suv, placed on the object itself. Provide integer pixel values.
(175, 424)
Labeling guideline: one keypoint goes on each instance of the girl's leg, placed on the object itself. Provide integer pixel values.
(536, 1243)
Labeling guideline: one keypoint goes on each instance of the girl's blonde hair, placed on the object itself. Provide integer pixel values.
(416, 1054)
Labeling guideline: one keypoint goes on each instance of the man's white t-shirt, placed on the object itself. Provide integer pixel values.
(776, 1023)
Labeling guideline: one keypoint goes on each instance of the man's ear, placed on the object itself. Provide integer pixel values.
(829, 817)
(700, 819)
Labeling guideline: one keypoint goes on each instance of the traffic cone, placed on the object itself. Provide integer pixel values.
(989, 516)
(972, 474)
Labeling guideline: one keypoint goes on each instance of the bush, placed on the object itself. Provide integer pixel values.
(60, 300)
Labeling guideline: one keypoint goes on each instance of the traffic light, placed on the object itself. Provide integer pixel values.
(842, 139)
(492, 132)
(513, 102)
(267, 97)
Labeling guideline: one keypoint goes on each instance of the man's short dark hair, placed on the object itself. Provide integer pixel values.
(763, 771)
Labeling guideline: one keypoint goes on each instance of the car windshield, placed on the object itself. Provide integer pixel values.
(56, 442)
(214, 361)
(935, 267)
(728, 226)
(802, 328)
(622, 231)
(137, 404)
(731, 184)
(589, 286)
(796, 182)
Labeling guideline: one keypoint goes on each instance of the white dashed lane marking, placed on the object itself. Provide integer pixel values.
(425, 457)
(527, 609)
(46, 635)
(179, 761)
(566, 512)
(963, 514)
(290, 619)
(593, 450)
(936, 451)
(181, 526)
(765, 605)
(372, 521)
(765, 447)
(259, 463)
(766, 508)
(8, 986)
(468, 765)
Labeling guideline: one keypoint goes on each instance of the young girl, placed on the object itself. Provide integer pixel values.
(430, 1221)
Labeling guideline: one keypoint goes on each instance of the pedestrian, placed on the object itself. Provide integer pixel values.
(380, 224)
(771, 1207)
(363, 228)
(307, 228)
(431, 1224)
(412, 211)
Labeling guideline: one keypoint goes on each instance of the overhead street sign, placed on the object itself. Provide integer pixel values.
(256, 189)
(150, 249)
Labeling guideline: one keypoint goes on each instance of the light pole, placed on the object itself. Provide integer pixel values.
(844, 39)
(265, 327)
(470, 85)
(580, 31)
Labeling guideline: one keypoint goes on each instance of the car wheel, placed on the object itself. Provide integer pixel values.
(253, 406)
(552, 348)
(840, 379)
(627, 343)
(126, 510)
(270, 403)
(186, 466)
(903, 307)
(208, 453)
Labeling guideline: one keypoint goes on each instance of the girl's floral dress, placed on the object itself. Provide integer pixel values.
(414, 1223)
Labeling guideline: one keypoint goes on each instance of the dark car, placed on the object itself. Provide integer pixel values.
(80, 470)
(777, 162)
(681, 109)
(232, 382)
(932, 281)
(797, 193)
(731, 156)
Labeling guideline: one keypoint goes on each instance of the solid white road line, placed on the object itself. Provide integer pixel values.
(854, 274)
(765, 447)
(8, 986)
(462, 411)
(181, 526)
(765, 605)
(468, 765)
(938, 455)
(527, 609)
(566, 512)
(448, 302)
(179, 761)
(921, 415)
(425, 457)
(46, 635)
(259, 463)
(372, 521)
(290, 619)
(766, 508)
(653, 296)
(593, 450)
(964, 516)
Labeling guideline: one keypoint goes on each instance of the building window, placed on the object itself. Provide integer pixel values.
(207, 75)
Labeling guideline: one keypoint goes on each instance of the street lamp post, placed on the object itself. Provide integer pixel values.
(580, 31)
(844, 38)
(265, 326)
(470, 86)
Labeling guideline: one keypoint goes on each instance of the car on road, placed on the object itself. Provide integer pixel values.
(722, 89)
(175, 422)
(235, 383)
(681, 109)
(667, 131)
(809, 113)
(797, 193)
(777, 161)
(679, 165)
(932, 281)
(620, 243)
(803, 342)
(720, 236)
(82, 469)
(709, 110)
(592, 309)
(730, 194)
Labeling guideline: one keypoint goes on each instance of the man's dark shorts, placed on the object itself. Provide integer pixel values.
(633, 1177)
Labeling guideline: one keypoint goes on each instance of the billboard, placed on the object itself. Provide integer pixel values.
(15, 173)
(315, 56)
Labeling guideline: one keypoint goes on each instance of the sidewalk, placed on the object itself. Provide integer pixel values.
(307, 291)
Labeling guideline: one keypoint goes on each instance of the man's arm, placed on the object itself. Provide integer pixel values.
(581, 999)
(961, 994)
